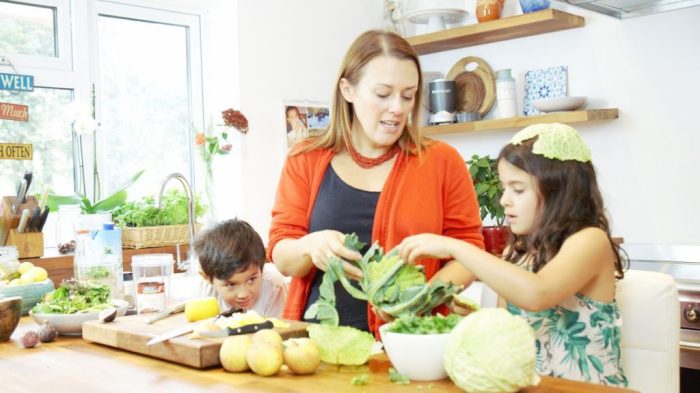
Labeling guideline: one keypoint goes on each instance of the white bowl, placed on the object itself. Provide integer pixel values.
(417, 356)
(72, 324)
(559, 104)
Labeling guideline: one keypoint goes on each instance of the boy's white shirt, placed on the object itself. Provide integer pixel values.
(273, 293)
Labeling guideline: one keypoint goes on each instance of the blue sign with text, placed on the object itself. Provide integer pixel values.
(16, 82)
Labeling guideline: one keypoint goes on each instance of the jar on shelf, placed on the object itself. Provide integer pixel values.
(505, 94)
(487, 10)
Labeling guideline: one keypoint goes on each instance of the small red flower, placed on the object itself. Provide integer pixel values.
(199, 139)
(235, 119)
(226, 147)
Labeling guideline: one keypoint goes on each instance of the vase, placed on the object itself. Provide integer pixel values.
(487, 10)
(533, 5)
(495, 239)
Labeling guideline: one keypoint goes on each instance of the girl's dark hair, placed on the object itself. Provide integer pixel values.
(228, 248)
(570, 201)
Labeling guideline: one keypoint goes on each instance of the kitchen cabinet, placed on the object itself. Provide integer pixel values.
(541, 22)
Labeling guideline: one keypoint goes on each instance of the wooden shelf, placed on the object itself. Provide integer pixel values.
(525, 25)
(520, 122)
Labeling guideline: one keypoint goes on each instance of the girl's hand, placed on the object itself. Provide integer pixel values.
(426, 245)
(322, 245)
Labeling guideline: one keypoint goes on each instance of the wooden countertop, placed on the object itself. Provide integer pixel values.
(71, 364)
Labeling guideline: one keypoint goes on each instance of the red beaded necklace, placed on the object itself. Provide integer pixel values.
(366, 162)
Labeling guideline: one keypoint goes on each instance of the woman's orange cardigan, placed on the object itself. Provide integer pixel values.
(431, 194)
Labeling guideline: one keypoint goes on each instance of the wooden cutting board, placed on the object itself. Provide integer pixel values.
(131, 333)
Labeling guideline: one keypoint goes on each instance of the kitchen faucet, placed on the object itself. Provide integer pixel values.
(186, 265)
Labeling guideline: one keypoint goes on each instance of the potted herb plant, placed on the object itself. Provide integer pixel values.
(488, 187)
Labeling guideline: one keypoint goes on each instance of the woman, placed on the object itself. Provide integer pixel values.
(372, 173)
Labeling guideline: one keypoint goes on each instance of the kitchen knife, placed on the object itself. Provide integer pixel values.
(177, 332)
(23, 220)
(44, 198)
(34, 222)
(178, 308)
(28, 178)
(20, 195)
(182, 330)
(44, 217)
(245, 329)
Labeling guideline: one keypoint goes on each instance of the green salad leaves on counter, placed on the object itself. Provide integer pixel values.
(429, 324)
(74, 297)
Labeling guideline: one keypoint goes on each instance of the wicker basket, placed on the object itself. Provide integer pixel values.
(164, 235)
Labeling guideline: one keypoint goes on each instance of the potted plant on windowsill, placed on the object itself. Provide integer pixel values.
(488, 187)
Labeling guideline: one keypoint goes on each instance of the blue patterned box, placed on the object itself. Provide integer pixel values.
(544, 83)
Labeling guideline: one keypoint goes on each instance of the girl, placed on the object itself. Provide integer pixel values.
(560, 264)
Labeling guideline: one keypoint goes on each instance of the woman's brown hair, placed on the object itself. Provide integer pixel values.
(570, 201)
(366, 47)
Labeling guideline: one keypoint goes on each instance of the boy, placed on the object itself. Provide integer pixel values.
(232, 265)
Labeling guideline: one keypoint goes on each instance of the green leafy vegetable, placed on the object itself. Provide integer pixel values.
(491, 350)
(145, 212)
(387, 283)
(73, 297)
(361, 379)
(342, 344)
(430, 324)
(398, 378)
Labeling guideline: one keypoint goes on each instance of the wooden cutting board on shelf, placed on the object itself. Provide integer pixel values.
(131, 333)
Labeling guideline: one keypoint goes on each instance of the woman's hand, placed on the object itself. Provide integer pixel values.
(382, 315)
(426, 245)
(322, 245)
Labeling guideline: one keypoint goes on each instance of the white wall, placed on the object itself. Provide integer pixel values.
(288, 50)
(647, 67)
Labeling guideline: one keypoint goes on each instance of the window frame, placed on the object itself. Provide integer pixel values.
(64, 44)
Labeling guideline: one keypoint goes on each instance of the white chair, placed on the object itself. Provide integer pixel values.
(648, 303)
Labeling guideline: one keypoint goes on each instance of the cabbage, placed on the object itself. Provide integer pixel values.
(343, 344)
(491, 350)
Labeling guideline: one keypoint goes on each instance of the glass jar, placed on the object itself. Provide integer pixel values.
(9, 261)
(68, 216)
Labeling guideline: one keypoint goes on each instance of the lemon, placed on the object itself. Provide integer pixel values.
(13, 283)
(24, 266)
(28, 277)
(198, 309)
(40, 274)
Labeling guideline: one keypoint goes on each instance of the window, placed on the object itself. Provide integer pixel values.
(142, 65)
(147, 81)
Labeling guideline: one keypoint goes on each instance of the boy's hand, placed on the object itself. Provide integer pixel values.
(426, 245)
(322, 245)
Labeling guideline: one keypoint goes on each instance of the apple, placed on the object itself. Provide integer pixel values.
(268, 336)
(264, 358)
(301, 355)
(233, 353)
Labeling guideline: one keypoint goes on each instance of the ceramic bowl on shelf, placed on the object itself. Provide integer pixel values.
(72, 324)
(417, 356)
(559, 104)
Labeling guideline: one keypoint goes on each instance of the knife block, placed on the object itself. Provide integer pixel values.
(9, 220)
(29, 244)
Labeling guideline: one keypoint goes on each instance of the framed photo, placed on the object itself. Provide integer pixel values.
(303, 119)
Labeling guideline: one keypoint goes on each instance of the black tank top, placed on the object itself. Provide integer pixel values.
(346, 209)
